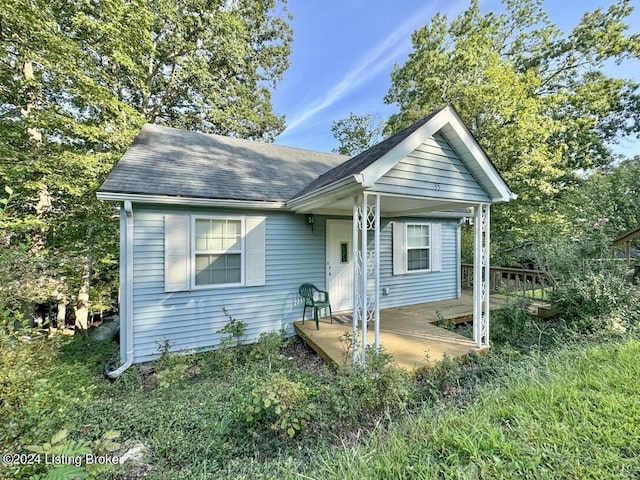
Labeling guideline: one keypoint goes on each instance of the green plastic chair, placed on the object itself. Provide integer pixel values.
(316, 299)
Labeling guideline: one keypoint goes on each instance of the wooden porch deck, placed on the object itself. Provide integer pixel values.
(407, 333)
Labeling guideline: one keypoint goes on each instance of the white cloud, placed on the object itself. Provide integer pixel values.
(378, 59)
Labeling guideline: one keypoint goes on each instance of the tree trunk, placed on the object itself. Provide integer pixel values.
(43, 206)
(82, 309)
(62, 313)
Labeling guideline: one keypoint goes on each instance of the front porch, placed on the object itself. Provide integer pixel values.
(407, 333)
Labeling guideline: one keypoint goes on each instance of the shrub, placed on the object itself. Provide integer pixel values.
(439, 379)
(592, 293)
(282, 404)
(377, 389)
(511, 324)
(589, 285)
(268, 347)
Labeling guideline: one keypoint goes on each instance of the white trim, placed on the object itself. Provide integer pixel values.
(481, 159)
(193, 252)
(376, 246)
(406, 247)
(319, 198)
(190, 201)
(390, 159)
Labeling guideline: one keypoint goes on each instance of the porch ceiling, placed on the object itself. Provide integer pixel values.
(390, 205)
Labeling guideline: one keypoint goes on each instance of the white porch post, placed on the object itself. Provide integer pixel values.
(355, 259)
(481, 270)
(376, 266)
(364, 220)
(366, 276)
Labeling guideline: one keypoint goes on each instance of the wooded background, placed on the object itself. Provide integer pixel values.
(79, 78)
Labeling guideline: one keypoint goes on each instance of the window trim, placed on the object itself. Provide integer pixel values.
(407, 248)
(193, 253)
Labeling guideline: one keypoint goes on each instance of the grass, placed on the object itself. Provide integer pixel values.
(573, 415)
(541, 409)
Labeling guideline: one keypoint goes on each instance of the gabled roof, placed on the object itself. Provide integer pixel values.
(167, 165)
(165, 161)
(361, 161)
(371, 165)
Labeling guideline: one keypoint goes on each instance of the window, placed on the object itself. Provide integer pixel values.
(218, 251)
(213, 251)
(344, 252)
(418, 247)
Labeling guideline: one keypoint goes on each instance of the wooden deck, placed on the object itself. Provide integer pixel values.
(407, 333)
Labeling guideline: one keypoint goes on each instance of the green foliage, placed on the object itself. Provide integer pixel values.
(281, 403)
(358, 393)
(512, 323)
(170, 368)
(234, 330)
(74, 454)
(356, 133)
(268, 347)
(77, 80)
(440, 379)
(606, 202)
(198, 426)
(590, 287)
(536, 98)
(574, 415)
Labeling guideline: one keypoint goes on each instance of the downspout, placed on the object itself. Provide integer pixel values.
(126, 286)
(459, 255)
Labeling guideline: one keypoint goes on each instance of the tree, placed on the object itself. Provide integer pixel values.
(608, 200)
(206, 65)
(356, 133)
(77, 80)
(535, 98)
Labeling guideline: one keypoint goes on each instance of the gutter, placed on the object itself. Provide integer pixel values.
(126, 279)
(190, 201)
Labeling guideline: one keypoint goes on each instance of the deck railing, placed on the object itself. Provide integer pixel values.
(533, 283)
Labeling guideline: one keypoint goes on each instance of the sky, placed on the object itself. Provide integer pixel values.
(344, 51)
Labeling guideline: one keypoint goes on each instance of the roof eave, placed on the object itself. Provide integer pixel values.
(188, 201)
(304, 201)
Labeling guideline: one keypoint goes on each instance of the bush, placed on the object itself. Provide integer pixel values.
(590, 287)
(592, 293)
(282, 404)
(511, 324)
(375, 390)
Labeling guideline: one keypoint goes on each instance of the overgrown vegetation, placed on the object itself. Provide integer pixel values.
(530, 408)
(553, 399)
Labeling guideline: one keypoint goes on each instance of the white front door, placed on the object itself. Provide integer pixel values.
(339, 266)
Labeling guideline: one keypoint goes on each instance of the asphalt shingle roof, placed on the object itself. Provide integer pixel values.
(361, 161)
(168, 161)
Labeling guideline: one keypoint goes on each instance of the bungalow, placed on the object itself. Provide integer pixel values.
(211, 225)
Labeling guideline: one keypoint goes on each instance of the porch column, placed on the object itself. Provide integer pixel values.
(364, 306)
(366, 278)
(356, 262)
(481, 270)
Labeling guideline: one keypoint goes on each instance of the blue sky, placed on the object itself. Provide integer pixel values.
(344, 51)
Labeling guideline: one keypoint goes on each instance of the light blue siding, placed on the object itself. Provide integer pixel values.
(294, 255)
(419, 287)
(434, 168)
(190, 320)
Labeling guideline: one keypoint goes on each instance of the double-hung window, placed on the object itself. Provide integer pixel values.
(218, 251)
(418, 247)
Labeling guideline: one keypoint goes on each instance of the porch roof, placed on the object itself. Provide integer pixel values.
(433, 165)
(166, 165)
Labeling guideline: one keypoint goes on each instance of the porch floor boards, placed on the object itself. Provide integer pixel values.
(407, 333)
